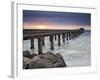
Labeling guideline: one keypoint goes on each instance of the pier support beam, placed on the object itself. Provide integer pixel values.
(32, 43)
(55, 37)
(59, 44)
(51, 43)
(39, 45)
(43, 41)
(67, 36)
(63, 36)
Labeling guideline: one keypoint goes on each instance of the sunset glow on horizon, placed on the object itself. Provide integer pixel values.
(55, 27)
(39, 27)
(55, 20)
(51, 26)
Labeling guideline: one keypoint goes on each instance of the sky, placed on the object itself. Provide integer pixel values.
(55, 20)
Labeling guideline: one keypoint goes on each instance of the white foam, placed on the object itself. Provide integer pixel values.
(76, 52)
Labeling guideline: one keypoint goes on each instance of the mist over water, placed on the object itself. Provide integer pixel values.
(76, 52)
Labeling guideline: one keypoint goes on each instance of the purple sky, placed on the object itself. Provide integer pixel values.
(55, 20)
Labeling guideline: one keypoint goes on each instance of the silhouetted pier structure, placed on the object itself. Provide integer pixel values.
(40, 34)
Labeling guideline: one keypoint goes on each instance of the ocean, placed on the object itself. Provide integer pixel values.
(76, 52)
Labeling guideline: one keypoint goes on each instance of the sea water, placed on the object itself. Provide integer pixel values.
(76, 52)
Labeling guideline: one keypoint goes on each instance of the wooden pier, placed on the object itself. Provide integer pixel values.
(40, 34)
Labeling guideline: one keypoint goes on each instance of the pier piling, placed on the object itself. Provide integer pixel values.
(43, 41)
(39, 45)
(32, 43)
(59, 44)
(53, 34)
(51, 43)
(63, 36)
(55, 37)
